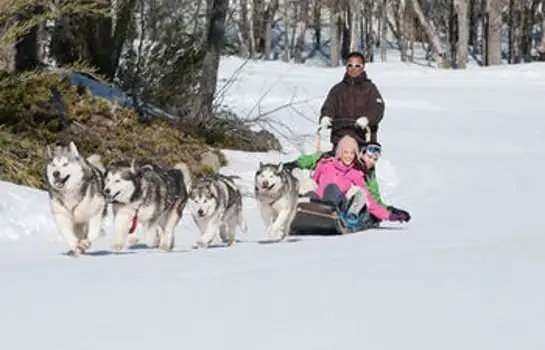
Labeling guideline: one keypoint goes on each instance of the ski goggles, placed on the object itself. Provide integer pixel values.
(373, 150)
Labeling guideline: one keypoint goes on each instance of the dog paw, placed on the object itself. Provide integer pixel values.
(73, 252)
(276, 235)
(201, 244)
(165, 247)
(153, 245)
(244, 227)
(84, 244)
(117, 247)
(133, 239)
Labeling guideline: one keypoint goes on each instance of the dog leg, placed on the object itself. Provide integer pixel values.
(152, 237)
(211, 232)
(229, 233)
(122, 224)
(133, 239)
(66, 227)
(289, 221)
(278, 228)
(94, 227)
(242, 222)
(168, 234)
(267, 214)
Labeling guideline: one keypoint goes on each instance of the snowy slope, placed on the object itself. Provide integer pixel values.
(464, 152)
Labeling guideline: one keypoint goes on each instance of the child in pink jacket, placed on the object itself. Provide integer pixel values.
(340, 182)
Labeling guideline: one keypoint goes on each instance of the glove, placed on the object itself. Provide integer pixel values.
(325, 123)
(362, 122)
(289, 166)
(399, 215)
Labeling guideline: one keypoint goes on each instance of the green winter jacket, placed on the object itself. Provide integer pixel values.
(309, 161)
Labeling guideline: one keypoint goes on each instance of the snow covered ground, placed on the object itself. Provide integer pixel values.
(464, 153)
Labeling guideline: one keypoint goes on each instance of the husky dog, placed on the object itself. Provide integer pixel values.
(75, 187)
(148, 194)
(216, 206)
(277, 191)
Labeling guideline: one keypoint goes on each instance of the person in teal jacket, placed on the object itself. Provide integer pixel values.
(368, 157)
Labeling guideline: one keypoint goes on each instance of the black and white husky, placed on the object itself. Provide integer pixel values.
(277, 192)
(215, 203)
(149, 195)
(75, 185)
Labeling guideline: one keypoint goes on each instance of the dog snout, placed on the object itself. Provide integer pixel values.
(265, 184)
(107, 191)
(56, 174)
(200, 212)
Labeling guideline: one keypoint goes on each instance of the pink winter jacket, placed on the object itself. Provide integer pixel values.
(332, 171)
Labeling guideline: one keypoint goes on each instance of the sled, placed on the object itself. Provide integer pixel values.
(316, 217)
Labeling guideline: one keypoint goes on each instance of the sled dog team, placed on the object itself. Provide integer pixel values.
(81, 189)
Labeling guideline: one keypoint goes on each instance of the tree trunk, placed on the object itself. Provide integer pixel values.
(369, 34)
(461, 8)
(287, 25)
(302, 24)
(243, 31)
(432, 34)
(26, 47)
(202, 110)
(317, 23)
(270, 10)
(514, 32)
(346, 40)
(93, 40)
(541, 46)
(355, 11)
(493, 31)
(334, 16)
(383, 30)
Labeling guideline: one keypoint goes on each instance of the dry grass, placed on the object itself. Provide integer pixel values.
(28, 125)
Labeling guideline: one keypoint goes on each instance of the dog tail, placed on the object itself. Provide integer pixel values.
(187, 174)
(96, 161)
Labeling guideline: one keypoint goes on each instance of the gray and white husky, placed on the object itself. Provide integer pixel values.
(277, 192)
(215, 203)
(150, 195)
(75, 186)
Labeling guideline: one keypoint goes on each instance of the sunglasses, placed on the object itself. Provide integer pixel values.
(356, 65)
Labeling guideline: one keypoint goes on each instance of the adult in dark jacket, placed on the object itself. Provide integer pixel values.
(353, 104)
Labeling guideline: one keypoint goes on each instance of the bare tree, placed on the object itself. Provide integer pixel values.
(334, 20)
(493, 31)
(432, 34)
(271, 6)
(302, 20)
(202, 110)
(541, 46)
(462, 20)
(383, 29)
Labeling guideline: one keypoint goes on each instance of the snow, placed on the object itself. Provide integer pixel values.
(464, 151)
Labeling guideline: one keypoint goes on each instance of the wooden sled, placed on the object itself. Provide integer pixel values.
(315, 217)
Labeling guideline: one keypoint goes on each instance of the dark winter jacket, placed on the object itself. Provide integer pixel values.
(349, 100)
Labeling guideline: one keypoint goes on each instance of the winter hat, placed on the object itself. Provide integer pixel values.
(347, 142)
